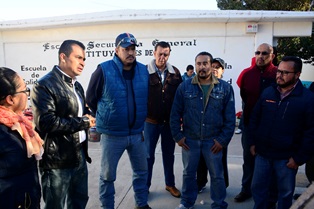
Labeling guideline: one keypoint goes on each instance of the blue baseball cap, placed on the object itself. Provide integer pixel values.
(125, 40)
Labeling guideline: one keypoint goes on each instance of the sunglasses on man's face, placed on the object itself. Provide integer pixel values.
(263, 53)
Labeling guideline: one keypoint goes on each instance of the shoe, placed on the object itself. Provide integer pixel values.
(143, 207)
(183, 207)
(238, 131)
(173, 191)
(296, 196)
(241, 197)
(201, 189)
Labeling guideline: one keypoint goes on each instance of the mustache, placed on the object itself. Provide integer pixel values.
(131, 57)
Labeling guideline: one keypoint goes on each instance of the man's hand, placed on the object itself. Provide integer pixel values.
(182, 144)
(292, 164)
(92, 120)
(216, 147)
(252, 150)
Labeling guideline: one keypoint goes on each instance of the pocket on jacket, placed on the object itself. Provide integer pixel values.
(216, 100)
(191, 99)
(174, 81)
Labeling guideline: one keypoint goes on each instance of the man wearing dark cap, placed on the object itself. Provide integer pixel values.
(117, 93)
(218, 67)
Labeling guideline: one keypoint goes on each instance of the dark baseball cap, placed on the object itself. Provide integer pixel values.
(125, 40)
(220, 61)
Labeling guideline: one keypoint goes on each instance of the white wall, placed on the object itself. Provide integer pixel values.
(33, 52)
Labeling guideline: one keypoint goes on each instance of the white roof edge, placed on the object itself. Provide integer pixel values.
(127, 16)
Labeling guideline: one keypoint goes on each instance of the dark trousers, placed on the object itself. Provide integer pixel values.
(309, 170)
(248, 162)
(151, 136)
(202, 170)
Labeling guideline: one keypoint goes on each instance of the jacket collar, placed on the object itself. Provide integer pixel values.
(152, 66)
(296, 91)
(268, 68)
(119, 63)
(213, 80)
(63, 76)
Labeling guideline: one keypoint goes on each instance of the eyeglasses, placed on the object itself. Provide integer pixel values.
(283, 72)
(27, 91)
(263, 53)
(127, 40)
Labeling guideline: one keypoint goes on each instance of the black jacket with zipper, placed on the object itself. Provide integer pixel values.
(55, 109)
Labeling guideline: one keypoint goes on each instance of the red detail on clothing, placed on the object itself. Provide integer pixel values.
(251, 86)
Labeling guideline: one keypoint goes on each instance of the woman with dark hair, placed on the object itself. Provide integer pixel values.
(20, 146)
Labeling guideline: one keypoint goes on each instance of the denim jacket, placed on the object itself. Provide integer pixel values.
(214, 120)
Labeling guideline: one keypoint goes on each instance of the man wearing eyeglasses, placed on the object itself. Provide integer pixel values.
(164, 80)
(117, 93)
(252, 81)
(281, 134)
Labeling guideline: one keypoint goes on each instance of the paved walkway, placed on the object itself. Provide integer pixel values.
(159, 198)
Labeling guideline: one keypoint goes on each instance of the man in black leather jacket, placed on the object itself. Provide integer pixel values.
(62, 120)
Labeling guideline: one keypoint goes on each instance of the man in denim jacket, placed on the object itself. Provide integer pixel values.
(205, 106)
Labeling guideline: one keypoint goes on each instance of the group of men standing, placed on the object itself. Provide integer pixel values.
(198, 114)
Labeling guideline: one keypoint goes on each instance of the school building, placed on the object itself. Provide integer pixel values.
(31, 46)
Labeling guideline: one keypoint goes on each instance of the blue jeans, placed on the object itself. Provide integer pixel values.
(190, 160)
(151, 136)
(285, 178)
(112, 150)
(59, 185)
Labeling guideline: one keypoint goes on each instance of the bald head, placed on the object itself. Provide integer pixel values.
(264, 55)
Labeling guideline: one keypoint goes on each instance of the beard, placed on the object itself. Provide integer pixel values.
(202, 74)
(287, 84)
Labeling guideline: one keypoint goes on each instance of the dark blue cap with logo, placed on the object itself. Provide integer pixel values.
(125, 40)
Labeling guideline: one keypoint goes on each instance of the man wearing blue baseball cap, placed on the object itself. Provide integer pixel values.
(117, 93)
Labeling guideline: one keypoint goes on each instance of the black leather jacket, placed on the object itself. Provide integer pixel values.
(55, 111)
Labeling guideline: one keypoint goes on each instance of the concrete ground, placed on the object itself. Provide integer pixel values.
(159, 198)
